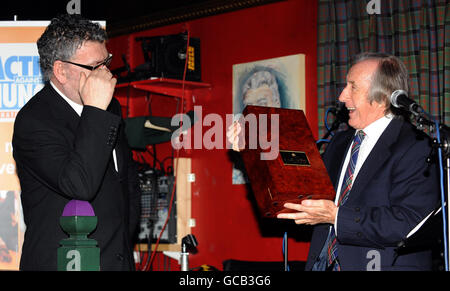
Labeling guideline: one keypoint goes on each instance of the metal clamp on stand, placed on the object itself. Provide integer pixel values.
(188, 242)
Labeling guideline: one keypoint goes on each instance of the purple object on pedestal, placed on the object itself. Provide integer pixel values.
(78, 208)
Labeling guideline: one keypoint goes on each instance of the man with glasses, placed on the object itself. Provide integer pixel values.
(69, 143)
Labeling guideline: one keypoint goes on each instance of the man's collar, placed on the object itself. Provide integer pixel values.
(77, 107)
(376, 128)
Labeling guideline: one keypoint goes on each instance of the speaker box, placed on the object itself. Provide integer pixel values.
(165, 56)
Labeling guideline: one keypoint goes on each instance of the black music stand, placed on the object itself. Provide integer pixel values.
(425, 235)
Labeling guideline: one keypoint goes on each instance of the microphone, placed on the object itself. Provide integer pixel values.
(399, 99)
(342, 113)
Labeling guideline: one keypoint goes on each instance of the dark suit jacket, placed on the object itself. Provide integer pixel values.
(61, 156)
(393, 191)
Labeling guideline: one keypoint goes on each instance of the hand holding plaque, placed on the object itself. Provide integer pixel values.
(311, 212)
(235, 136)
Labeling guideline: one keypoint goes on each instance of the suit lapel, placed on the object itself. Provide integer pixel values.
(336, 164)
(377, 157)
(61, 110)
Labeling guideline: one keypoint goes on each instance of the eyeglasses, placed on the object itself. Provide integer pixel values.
(106, 62)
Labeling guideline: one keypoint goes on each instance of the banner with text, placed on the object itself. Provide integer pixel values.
(20, 79)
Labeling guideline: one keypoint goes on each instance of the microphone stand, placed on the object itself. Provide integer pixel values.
(441, 147)
(341, 114)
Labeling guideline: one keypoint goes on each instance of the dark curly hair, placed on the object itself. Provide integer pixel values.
(64, 35)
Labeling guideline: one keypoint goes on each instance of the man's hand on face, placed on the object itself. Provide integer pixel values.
(97, 88)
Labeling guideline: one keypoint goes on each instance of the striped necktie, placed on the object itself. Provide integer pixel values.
(345, 191)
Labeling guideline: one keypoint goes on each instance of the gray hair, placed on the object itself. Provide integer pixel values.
(62, 37)
(260, 78)
(391, 75)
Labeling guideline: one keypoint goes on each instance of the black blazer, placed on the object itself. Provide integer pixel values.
(393, 191)
(61, 156)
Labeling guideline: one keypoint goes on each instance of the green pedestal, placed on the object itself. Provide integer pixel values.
(78, 253)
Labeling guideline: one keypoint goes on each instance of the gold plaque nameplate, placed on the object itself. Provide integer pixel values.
(295, 158)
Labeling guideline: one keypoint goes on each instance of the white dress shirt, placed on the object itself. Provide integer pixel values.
(78, 109)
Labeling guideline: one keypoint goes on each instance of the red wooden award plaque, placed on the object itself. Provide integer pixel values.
(295, 172)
